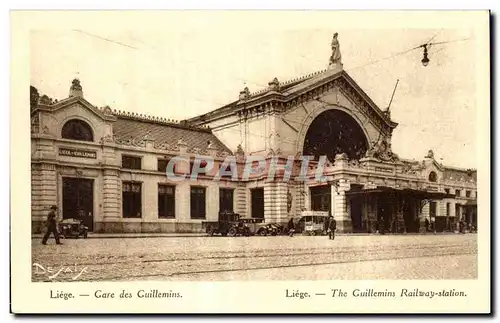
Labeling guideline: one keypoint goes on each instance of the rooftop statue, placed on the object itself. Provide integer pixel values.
(336, 57)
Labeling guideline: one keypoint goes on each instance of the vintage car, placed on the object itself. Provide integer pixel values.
(226, 224)
(271, 229)
(72, 228)
(254, 225)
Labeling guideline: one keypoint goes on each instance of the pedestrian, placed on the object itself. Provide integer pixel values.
(326, 225)
(52, 225)
(381, 225)
(291, 227)
(332, 226)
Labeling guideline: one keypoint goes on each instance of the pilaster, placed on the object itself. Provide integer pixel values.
(111, 197)
(43, 192)
(339, 207)
(275, 202)
(240, 200)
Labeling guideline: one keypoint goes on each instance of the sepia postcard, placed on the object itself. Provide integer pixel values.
(250, 162)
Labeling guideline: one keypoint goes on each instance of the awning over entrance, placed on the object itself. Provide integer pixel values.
(421, 194)
(469, 203)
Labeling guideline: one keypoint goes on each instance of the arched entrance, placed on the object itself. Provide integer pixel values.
(334, 132)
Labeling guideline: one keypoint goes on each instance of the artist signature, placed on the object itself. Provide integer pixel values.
(52, 272)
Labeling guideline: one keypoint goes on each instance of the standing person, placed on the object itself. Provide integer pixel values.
(51, 225)
(332, 226)
(381, 225)
(291, 227)
(326, 225)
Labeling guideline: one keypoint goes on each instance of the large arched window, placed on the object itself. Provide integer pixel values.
(432, 177)
(334, 132)
(77, 130)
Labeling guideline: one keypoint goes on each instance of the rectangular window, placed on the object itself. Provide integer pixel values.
(198, 202)
(320, 198)
(257, 202)
(467, 193)
(131, 199)
(131, 162)
(447, 190)
(202, 165)
(226, 200)
(457, 193)
(166, 201)
(447, 209)
(162, 165)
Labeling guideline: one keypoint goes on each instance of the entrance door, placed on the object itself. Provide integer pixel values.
(257, 203)
(78, 200)
(357, 213)
(384, 214)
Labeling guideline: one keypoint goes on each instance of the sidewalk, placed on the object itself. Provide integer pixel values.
(92, 235)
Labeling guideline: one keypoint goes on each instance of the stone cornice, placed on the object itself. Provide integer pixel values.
(274, 101)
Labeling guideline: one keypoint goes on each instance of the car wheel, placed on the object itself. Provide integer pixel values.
(263, 232)
(313, 233)
(232, 232)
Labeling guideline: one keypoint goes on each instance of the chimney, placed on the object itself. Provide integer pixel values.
(76, 89)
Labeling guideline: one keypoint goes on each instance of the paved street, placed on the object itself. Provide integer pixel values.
(246, 258)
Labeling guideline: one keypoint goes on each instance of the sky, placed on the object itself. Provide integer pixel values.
(182, 66)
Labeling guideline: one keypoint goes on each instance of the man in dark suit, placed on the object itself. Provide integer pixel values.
(332, 226)
(51, 225)
(291, 227)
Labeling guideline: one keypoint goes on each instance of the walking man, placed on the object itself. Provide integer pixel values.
(51, 225)
(332, 226)
(291, 227)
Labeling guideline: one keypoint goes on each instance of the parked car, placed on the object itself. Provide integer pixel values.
(73, 228)
(254, 225)
(272, 229)
(223, 225)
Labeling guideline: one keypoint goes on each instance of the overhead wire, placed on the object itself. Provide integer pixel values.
(245, 80)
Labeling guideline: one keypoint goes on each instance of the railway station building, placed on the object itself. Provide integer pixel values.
(109, 166)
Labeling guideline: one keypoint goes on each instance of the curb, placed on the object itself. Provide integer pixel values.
(191, 235)
(131, 236)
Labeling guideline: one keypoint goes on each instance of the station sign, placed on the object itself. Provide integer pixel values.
(79, 153)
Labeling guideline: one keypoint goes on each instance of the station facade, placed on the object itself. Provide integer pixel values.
(109, 166)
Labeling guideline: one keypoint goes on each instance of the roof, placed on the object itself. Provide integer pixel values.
(132, 128)
(290, 90)
(129, 128)
(452, 173)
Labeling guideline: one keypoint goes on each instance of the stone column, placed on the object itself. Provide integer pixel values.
(300, 197)
(43, 193)
(333, 198)
(339, 207)
(111, 200)
(275, 202)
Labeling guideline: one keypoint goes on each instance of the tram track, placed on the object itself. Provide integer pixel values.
(261, 253)
(207, 262)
